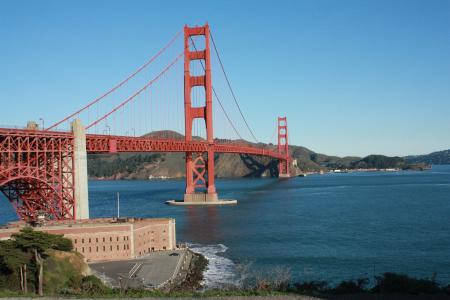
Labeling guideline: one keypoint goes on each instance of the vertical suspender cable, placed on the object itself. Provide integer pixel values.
(229, 86)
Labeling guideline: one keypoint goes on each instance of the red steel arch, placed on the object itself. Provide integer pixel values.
(32, 197)
(36, 173)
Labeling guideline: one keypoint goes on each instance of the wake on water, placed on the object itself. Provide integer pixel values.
(221, 271)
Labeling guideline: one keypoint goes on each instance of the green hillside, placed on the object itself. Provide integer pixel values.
(171, 165)
(435, 158)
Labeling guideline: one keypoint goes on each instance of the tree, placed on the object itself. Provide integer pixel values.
(13, 264)
(37, 242)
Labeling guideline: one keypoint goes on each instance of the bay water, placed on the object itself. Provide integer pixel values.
(329, 227)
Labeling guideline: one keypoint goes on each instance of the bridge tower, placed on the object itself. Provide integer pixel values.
(199, 166)
(283, 148)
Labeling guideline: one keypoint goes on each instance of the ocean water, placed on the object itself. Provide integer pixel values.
(322, 227)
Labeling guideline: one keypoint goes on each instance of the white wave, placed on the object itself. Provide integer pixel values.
(221, 271)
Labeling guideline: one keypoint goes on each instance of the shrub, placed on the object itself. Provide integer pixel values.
(92, 285)
(351, 287)
(400, 283)
(310, 287)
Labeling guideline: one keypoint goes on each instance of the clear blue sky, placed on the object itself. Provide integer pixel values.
(353, 77)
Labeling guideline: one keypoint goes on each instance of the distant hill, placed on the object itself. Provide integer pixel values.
(386, 162)
(435, 158)
(145, 165)
(378, 162)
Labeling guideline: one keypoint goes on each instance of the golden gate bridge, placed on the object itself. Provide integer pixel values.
(44, 170)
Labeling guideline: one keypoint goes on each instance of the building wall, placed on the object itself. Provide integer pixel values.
(154, 237)
(101, 241)
(104, 245)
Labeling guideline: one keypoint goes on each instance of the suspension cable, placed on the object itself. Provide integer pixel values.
(122, 82)
(138, 92)
(217, 97)
(229, 86)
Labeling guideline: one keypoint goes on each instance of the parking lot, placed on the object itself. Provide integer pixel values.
(149, 271)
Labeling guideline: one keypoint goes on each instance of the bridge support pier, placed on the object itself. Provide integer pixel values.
(200, 174)
(80, 167)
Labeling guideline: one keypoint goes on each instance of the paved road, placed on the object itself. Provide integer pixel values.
(289, 297)
(150, 270)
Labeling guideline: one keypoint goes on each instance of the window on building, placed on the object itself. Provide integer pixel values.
(97, 248)
(82, 241)
(103, 240)
(75, 241)
(110, 248)
(104, 249)
(89, 249)
(117, 239)
(164, 247)
(82, 249)
(110, 238)
(117, 247)
(89, 240)
(128, 247)
(96, 240)
(124, 238)
(124, 247)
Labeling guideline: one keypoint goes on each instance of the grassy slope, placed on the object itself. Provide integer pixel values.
(63, 269)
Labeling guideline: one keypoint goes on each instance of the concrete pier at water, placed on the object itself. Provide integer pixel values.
(201, 199)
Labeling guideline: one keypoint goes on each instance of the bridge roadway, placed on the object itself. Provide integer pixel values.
(27, 140)
(113, 144)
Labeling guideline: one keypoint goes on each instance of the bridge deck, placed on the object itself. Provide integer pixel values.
(109, 143)
(116, 144)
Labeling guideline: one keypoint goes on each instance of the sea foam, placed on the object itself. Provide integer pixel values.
(221, 271)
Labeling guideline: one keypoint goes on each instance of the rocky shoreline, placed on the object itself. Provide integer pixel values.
(192, 278)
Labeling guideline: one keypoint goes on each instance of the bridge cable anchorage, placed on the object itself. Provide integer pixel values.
(217, 97)
(231, 89)
(138, 92)
(162, 50)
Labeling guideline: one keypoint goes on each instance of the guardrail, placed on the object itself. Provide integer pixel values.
(180, 265)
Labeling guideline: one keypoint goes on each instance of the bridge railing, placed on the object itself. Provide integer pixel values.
(21, 131)
(113, 144)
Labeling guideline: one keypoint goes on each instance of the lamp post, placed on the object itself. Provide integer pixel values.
(118, 205)
(42, 121)
(107, 130)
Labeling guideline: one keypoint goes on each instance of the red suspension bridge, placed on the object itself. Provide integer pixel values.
(43, 171)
